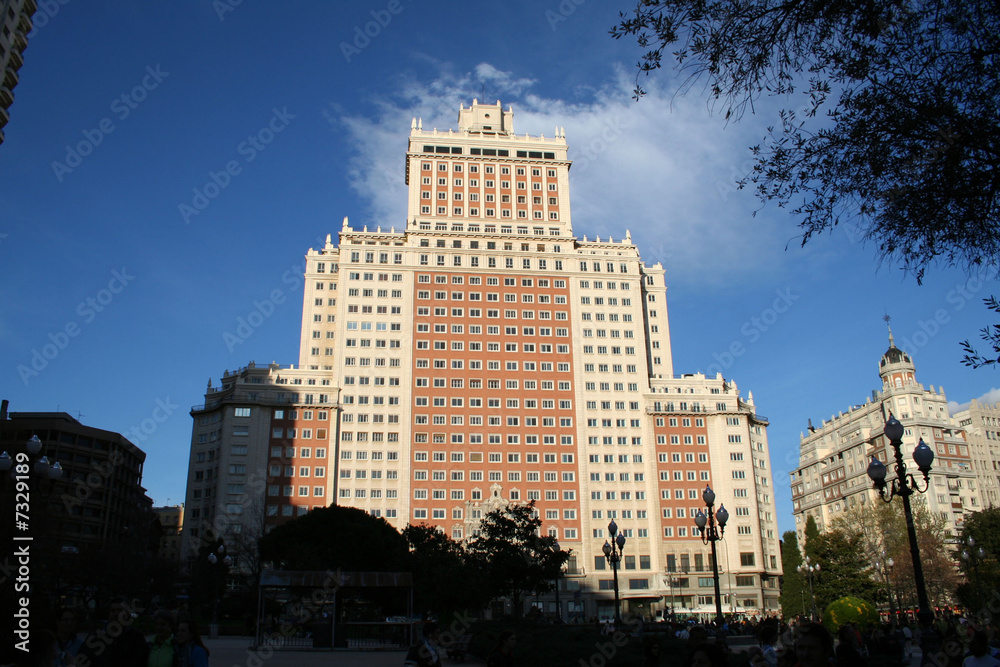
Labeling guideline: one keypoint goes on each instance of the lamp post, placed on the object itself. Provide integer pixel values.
(613, 553)
(905, 485)
(712, 526)
(809, 569)
(555, 545)
(671, 581)
(973, 555)
(884, 567)
(218, 559)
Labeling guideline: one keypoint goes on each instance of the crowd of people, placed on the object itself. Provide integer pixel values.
(174, 642)
(953, 641)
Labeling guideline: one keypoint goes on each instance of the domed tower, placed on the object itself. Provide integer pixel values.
(896, 368)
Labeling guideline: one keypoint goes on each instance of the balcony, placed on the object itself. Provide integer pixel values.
(25, 25)
(4, 116)
(10, 78)
(16, 61)
(6, 97)
(20, 40)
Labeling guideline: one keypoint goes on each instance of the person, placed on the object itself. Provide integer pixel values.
(814, 647)
(848, 651)
(118, 644)
(190, 650)
(980, 656)
(651, 656)
(768, 638)
(707, 655)
(425, 653)
(68, 642)
(162, 646)
(503, 654)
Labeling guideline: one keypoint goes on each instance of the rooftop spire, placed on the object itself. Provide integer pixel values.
(887, 318)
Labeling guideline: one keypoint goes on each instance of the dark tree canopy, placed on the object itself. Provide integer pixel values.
(515, 561)
(892, 121)
(444, 579)
(336, 537)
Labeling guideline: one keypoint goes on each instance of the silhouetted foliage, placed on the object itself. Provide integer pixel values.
(515, 561)
(889, 123)
(336, 537)
(444, 579)
(991, 335)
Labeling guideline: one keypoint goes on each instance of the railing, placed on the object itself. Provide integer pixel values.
(359, 636)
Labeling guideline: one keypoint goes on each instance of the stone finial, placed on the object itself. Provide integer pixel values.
(346, 224)
(420, 124)
(413, 123)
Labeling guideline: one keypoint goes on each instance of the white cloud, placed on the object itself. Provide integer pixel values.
(989, 398)
(662, 167)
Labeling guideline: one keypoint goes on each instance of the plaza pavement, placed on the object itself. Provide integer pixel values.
(235, 652)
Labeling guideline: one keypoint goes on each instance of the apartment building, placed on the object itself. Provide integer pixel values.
(833, 461)
(15, 24)
(482, 354)
(981, 423)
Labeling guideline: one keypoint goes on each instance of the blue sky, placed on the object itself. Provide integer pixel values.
(125, 110)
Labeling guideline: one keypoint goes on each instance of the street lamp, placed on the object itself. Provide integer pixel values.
(671, 581)
(973, 556)
(884, 568)
(904, 486)
(613, 553)
(810, 569)
(27, 462)
(712, 526)
(219, 559)
(555, 545)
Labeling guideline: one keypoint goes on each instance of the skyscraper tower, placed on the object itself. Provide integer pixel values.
(481, 354)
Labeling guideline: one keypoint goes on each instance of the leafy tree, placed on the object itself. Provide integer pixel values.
(990, 334)
(843, 567)
(981, 573)
(889, 122)
(336, 537)
(444, 579)
(793, 586)
(812, 530)
(881, 529)
(515, 560)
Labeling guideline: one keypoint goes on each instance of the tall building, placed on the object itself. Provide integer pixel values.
(482, 354)
(981, 423)
(833, 459)
(15, 24)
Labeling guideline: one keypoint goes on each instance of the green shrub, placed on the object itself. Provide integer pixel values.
(850, 610)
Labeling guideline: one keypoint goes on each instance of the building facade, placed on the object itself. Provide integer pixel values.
(93, 523)
(15, 24)
(833, 459)
(482, 355)
(981, 423)
(171, 518)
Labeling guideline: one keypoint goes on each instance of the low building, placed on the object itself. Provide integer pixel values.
(171, 520)
(92, 525)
